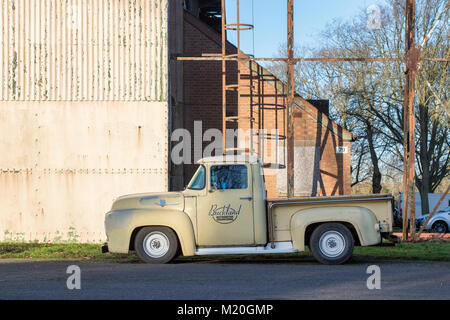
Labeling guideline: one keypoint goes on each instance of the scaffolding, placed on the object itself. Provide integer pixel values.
(412, 59)
(238, 86)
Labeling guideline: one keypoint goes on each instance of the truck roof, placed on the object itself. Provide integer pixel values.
(229, 159)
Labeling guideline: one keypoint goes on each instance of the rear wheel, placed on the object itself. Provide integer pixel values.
(156, 244)
(440, 227)
(332, 243)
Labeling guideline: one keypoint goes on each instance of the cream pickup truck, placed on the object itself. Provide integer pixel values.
(224, 210)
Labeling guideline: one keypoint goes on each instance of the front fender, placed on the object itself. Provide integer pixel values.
(120, 225)
(362, 219)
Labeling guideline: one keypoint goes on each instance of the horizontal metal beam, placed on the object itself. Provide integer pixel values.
(219, 58)
(228, 58)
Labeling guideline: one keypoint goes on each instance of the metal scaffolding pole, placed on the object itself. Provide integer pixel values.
(224, 80)
(235, 87)
(290, 99)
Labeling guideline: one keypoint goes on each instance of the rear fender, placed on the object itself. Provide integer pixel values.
(362, 219)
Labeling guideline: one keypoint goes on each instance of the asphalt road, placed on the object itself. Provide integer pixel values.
(212, 280)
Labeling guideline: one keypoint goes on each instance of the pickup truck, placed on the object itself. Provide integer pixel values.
(224, 210)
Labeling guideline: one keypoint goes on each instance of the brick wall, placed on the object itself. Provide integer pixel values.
(319, 169)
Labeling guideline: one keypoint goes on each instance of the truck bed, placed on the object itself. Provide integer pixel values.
(280, 211)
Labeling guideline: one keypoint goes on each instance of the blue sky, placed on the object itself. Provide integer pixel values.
(269, 18)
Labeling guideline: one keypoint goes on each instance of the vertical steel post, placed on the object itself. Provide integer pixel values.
(411, 60)
(238, 69)
(290, 98)
(224, 81)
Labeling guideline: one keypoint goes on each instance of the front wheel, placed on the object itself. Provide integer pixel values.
(156, 244)
(332, 243)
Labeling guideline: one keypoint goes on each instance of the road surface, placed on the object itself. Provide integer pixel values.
(207, 279)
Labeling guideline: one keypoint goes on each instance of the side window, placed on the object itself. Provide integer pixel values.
(229, 177)
(199, 181)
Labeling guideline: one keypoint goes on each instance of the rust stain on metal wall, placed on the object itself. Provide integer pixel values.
(88, 50)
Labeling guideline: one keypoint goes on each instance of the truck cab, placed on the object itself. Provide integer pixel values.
(224, 210)
(226, 202)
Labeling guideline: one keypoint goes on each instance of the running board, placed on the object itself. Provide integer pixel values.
(280, 247)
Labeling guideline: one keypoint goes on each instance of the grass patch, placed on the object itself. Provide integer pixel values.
(56, 251)
(432, 251)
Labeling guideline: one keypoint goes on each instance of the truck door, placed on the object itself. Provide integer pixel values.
(225, 214)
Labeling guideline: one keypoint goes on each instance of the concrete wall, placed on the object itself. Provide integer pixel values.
(62, 164)
(83, 112)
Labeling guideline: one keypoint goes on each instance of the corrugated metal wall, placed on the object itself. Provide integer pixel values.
(83, 112)
(82, 50)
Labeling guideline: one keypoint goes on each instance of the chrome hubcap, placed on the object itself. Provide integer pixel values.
(332, 244)
(156, 244)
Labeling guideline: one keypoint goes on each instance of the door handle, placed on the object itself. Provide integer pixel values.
(246, 198)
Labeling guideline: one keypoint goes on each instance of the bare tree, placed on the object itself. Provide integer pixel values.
(367, 98)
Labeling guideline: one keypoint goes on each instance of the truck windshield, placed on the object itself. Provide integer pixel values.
(199, 180)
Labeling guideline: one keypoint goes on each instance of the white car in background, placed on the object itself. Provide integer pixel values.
(439, 223)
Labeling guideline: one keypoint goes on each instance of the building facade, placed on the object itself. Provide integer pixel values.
(84, 112)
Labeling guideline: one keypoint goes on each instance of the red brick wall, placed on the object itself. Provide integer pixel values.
(265, 103)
